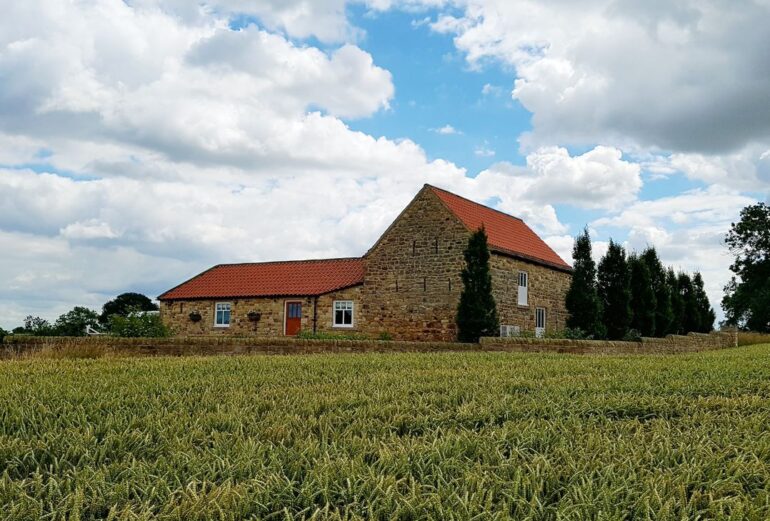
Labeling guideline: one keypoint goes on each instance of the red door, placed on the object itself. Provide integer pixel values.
(293, 318)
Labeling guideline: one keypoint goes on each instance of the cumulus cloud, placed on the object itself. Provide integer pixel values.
(446, 130)
(688, 76)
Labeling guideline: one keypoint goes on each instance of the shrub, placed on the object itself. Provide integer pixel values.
(138, 324)
(325, 335)
(385, 336)
(633, 335)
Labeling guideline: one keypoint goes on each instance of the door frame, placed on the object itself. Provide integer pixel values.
(286, 313)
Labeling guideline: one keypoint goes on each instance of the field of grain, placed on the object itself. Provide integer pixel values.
(388, 436)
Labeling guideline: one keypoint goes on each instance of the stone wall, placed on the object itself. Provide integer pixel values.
(412, 282)
(176, 314)
(19, 346)
(671, 344)
(547, 288)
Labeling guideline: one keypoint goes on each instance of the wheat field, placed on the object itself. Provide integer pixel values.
(388, 436)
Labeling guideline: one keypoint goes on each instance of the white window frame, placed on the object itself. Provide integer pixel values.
(229, 313)
(540, 330)
(522, 298)
(352, 313)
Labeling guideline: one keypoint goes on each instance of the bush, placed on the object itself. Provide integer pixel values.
(385, 336)
(138, 324)
(325, 335)
(3, 334)
(633, 335)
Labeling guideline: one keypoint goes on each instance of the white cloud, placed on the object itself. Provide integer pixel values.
(484, 151)
(689, 76)
(446, 130)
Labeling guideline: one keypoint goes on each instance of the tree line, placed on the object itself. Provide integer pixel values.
(630, 295)
(125, 315)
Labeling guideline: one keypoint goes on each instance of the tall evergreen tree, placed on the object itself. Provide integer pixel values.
(585, 311)
(677, 304)
(614, 291)
(691, 317)
(664, 314)
(477, 311)
(706, 315)
(642, 296)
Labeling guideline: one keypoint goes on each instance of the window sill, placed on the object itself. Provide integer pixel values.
(342, 327)
(221, 327)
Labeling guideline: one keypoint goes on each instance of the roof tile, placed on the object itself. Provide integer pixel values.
(505, 233)
(271, 279)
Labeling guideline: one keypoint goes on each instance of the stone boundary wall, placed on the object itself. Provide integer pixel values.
(671, 344)
(14, 346)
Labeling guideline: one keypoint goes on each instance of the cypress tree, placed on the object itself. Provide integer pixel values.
(677, 304)
(477, 311)
(614, 291)
(642, 296)
(585, 312)
(664, 314)
(706, 315)
(691, 314)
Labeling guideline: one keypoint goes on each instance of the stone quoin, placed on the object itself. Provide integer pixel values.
(406, 286)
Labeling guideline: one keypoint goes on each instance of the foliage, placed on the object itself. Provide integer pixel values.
(138, 324)
(402, 436)
(74, 322)
(632, 335)
(582, 301)
(643, 302)
(705, 312)
(327, 335)
(3, 334)
(614, 291)
(691, 318)
(36, 326)
(477, 311)
(664, 314)
(385, 336)
(747, 295)
(677, 304)
(124, 304)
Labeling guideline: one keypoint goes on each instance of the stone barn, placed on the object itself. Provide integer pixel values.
(407, 285)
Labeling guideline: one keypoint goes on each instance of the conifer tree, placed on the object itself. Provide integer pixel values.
(691, 314)
(663, 312)
(706, 315)
(614, 291)
(585, 312)
(677, 304)
(642, 296)
(477, 311)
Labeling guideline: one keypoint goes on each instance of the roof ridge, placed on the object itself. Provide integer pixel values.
(291, 261)
(432, 187)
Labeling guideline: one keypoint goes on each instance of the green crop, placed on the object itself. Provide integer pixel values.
(388, 436)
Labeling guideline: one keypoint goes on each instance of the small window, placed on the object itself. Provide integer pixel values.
(222, 314)
(539, 322)
(523, 288)
(343, 313)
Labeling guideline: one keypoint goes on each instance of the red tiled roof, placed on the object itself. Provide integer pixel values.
(506, 234)
(268, 279)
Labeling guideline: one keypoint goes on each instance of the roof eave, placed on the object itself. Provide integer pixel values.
(278, 295)
(534, 260)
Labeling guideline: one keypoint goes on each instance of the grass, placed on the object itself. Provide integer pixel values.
(389, 436)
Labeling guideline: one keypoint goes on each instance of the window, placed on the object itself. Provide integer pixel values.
(222, 314)
(343, 313)
(523, 286)
(539, 322)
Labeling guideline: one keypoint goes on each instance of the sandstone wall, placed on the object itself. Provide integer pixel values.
(20, 346)
(176, 314)
(671, 344)
(547, 289)
(412, 282)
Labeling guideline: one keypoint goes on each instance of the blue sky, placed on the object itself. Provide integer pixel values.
(142, 142)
